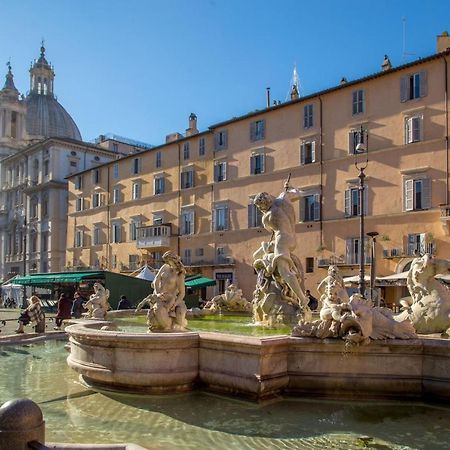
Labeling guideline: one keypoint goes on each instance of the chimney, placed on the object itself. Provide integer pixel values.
(172, 137)
(192, 125)
(443, 42)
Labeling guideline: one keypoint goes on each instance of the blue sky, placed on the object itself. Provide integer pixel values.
(138, 68)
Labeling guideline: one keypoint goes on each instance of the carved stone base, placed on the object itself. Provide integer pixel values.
(272, 311)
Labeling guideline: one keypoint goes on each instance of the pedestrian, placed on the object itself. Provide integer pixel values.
(313, 303)
(77, 305)
(124, 303)
(64, 309)
(34, 314)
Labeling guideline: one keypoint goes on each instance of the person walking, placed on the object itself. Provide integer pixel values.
(64, 309)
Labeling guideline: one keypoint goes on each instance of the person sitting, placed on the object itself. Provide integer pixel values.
(34, 314)
(313, 303)
(124, 303)
(77, 305)
(64, 310)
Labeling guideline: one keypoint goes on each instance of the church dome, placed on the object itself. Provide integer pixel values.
(46, 117)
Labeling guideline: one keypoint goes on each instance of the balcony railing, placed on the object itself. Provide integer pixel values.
(416, 250)
(218, 261)
(154, 236)
(445, 212)
(349, 260)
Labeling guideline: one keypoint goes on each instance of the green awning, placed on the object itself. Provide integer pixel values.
(198, 282)
(47, 280)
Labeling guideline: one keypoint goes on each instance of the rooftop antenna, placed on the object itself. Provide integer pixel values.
(405, 54)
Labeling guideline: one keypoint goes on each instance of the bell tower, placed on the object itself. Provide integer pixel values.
(41, 75)
(12, 116)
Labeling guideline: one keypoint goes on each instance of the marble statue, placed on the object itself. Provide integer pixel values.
(353, 319)
(230, 300)
(167, 310)
(97, 306)
(428, 308)
(278, 298)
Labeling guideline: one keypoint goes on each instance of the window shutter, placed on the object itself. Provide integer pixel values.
(354, 102)
(409, 195)
(252, 165)
(82, 238)
(263, 129)
(163, 185)
(263, 163)
(216, 172)
(227, 218)
(348, 250)
(316, 207)
(404, 89)
(426, 193)
(409, 131)
(225, 139)
(302, 154)
(224, 165)
(305, 117)
(253, 131)
(416, 129)
(423, 83)
(213, 220)
(250, 209)
(347, 203)
(351, 142)
(192, 178)
(183, 180)
(101, 200)
(313, 151)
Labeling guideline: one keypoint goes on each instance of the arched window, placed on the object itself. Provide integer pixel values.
(39, 85)
(45, 86)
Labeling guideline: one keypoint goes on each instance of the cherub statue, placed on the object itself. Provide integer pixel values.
(97, 306)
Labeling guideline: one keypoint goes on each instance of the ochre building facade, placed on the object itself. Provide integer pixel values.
(194, 194)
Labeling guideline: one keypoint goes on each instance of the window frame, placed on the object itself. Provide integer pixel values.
(358, 102)
(308, 116)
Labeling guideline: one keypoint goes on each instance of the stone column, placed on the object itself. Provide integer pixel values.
(21, 422)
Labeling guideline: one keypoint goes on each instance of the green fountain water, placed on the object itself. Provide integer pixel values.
(198, 420)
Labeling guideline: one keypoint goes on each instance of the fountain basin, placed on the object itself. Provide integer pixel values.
(260, 367)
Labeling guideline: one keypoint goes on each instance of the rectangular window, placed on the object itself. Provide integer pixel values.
(220, 218)
(79, 238)
(417, 194)
(96, 235)
(257, 130)
(357, 136)
(116, 170)
(309, 265)
(310, 210)
(187, 222)
(96, 176)
(199, 252)
(220, 171)
(257, 163)
(134, 225)
(46, 168)
(136, 191)
(353, 249)
(44, 242)
(187, 179)
(187, 257)
(417, 244)
(78, 182)
(308, 114)
(115, 147)
(73, 164)
(96, 200)
(186, 151)
(358, 102)
(158, 159)
(159, 185)
(221, 140)
(116, 195)
(79, 204)
(413, 86)
(135, 168)
(308, 152)
(254, 215)
(351, 201)
(414, 129)
(116, 233)
(201, 147)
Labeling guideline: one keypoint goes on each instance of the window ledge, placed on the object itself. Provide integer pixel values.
(415, 170)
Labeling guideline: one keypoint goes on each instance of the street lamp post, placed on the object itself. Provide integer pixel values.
(373, 235)
(24, 252)
(361, 150)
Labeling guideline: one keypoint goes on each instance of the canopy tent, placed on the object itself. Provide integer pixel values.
(13, 292)
(146, 274)
(348, 281)
(198, 281)
(47, 280)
